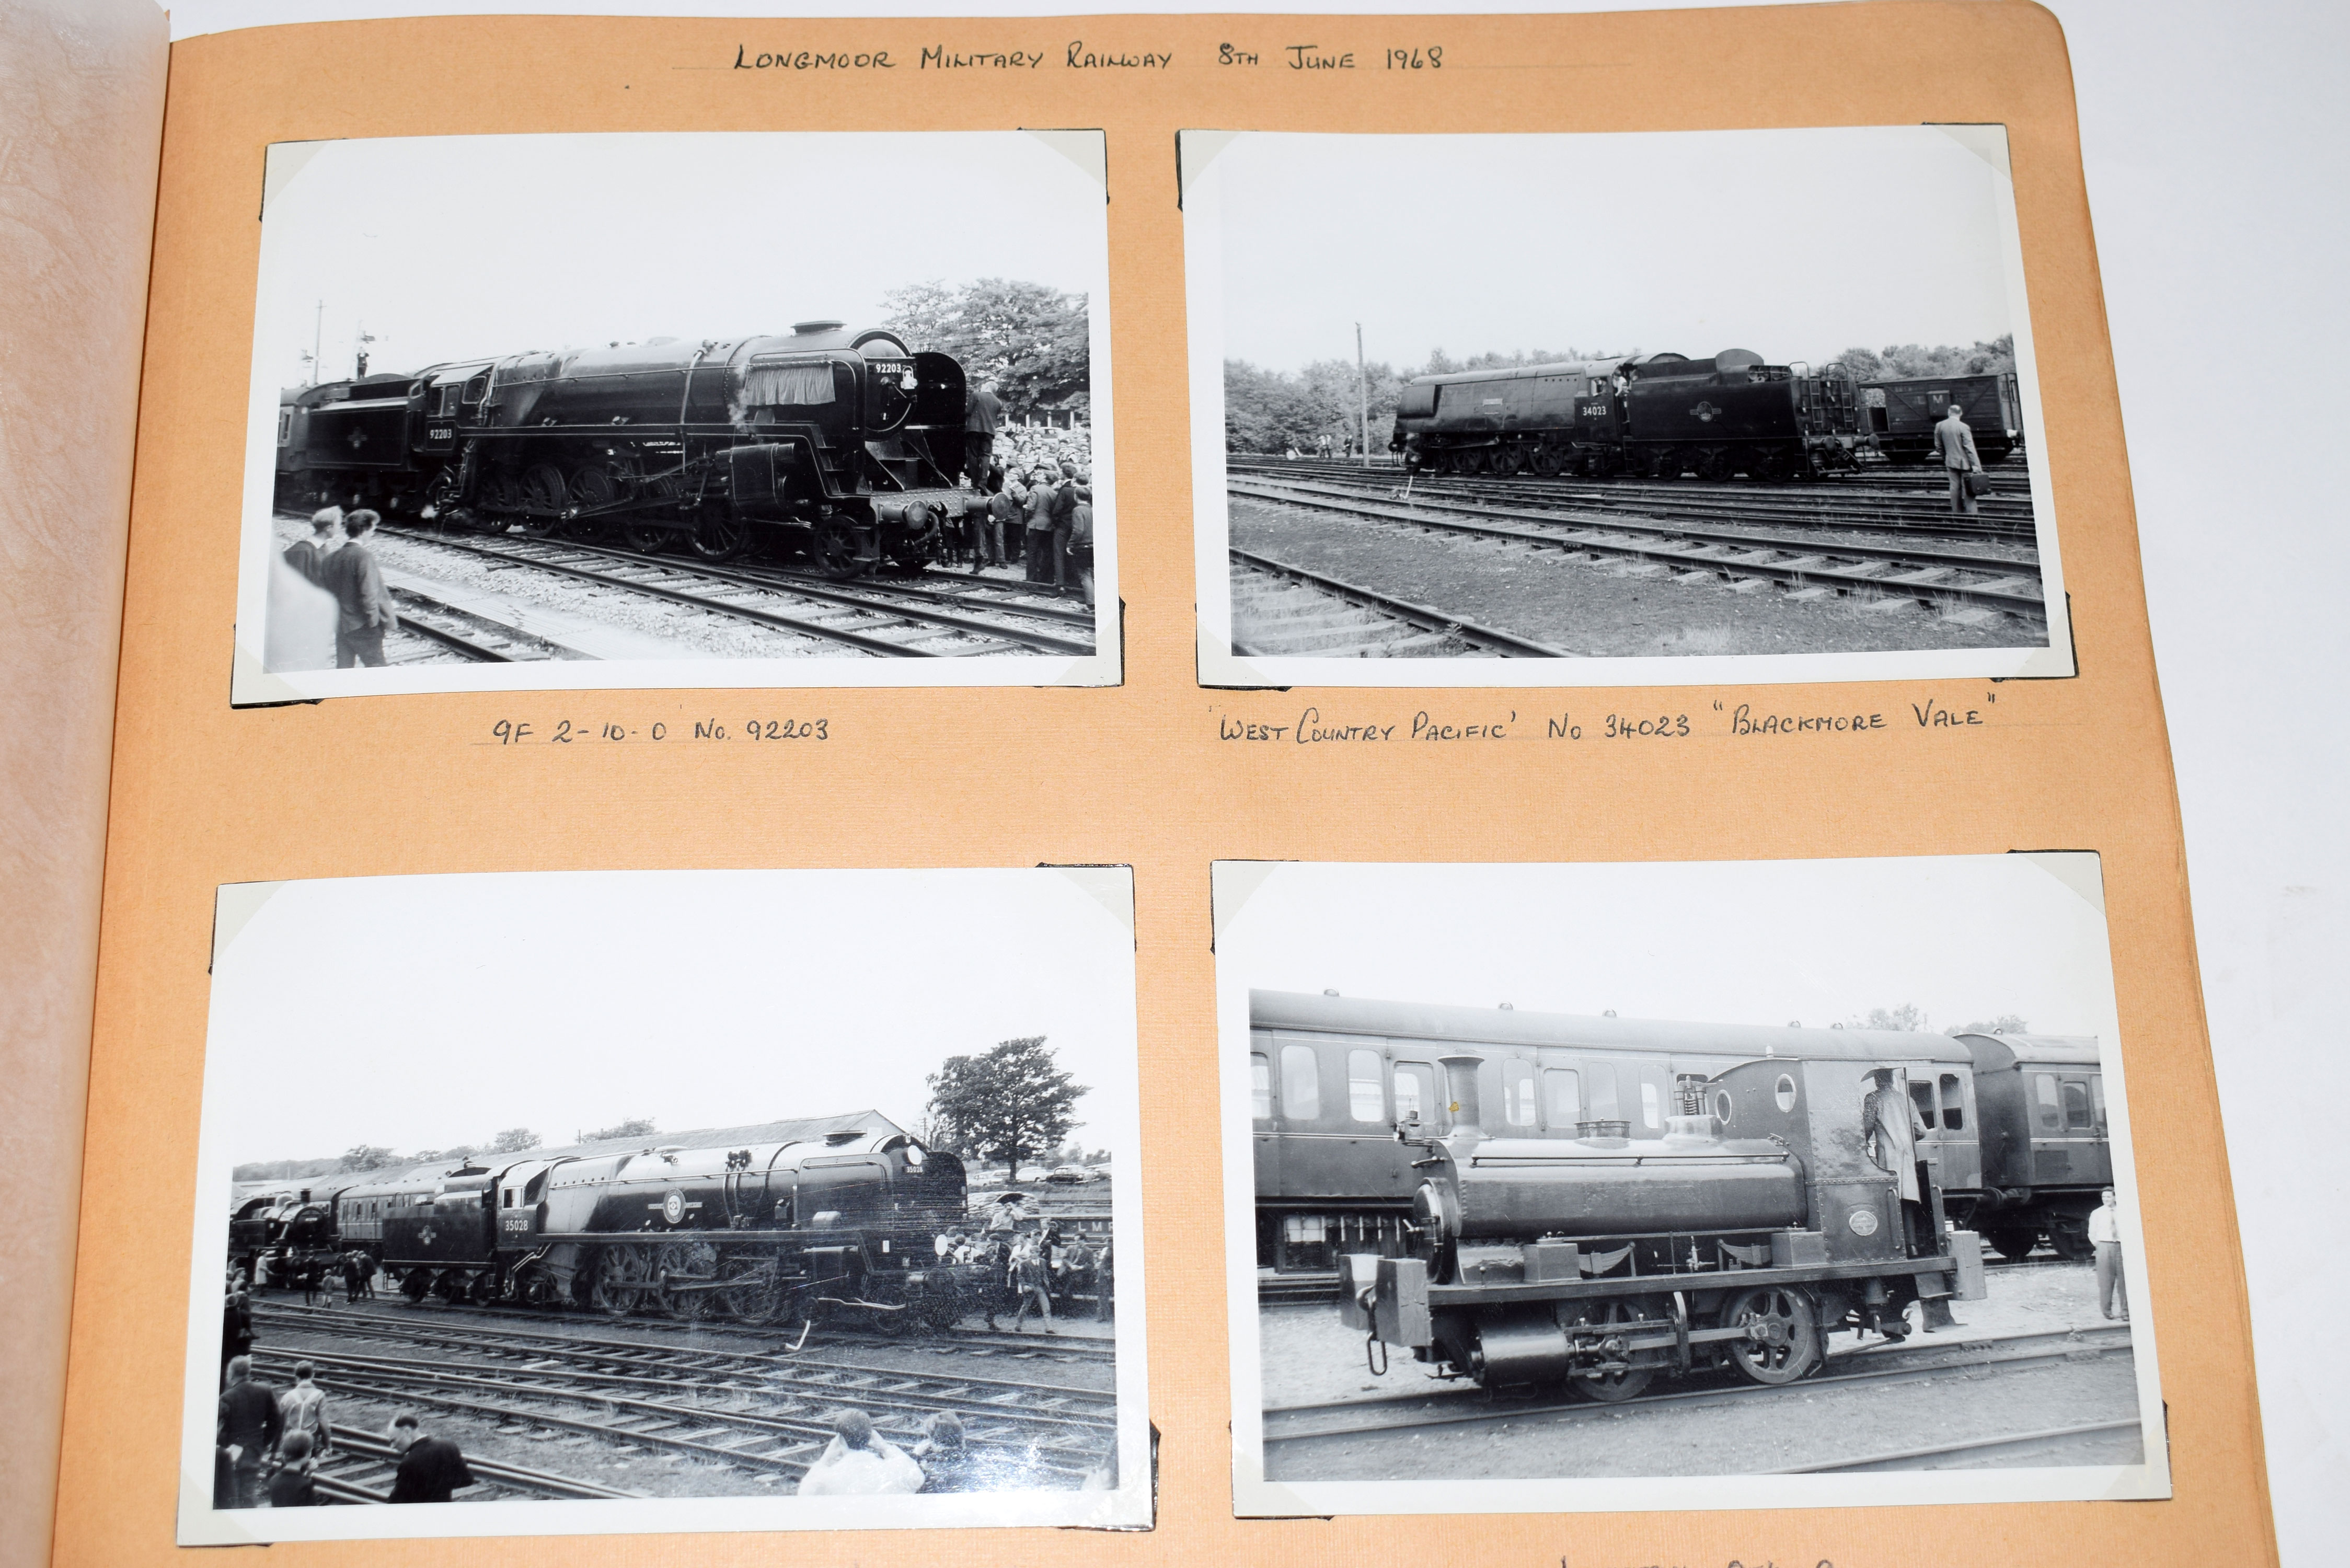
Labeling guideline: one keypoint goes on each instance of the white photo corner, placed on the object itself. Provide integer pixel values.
(700, 451)
(1610, 1188)
(687, 1214)
(1631, 409)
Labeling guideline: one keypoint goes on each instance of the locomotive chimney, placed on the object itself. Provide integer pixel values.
(1461, 1085)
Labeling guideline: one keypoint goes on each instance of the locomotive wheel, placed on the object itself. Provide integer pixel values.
(686, 1259)
(2070, 1237)
(894, 1325)
(1715, 463)
(614, 1270)
(1790, 1343)
(650, 538)
(759, 1299)
(543, 490)
(943, 1309)
(1669, 464)
(835, 547)
(2016, 1244)
(1547, 462)
(1613, 1387)
(719, 534)
(1505, 460)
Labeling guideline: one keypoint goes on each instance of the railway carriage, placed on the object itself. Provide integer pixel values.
(1756, 1226)
(1330, 1078)
(2046, 1153)
(1902, 414)
(843, 443)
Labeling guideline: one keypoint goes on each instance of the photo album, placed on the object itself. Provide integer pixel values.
(1517, 900)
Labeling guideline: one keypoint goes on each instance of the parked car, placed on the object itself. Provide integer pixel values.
(1073, 1173)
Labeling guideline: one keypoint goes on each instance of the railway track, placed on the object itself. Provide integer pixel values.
(879, 619)
(361, 1467)
(430, 631)
(1873, 1364)
(2079, 1444)
(1922, 487)
(760, 1412)
(1282, 610)
(1950, 580)
(976, 1342)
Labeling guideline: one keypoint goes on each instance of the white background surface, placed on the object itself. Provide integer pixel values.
(2216, 139)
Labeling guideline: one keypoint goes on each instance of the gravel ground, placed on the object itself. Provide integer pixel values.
(1308, 1358)
(1607, 609)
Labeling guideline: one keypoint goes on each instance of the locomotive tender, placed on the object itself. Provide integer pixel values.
(781, 1221)
(1653, 415)
(2015, 1123)
(1754, 1228)
(846, 444)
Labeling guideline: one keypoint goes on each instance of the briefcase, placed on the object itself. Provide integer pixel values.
(1977, 483)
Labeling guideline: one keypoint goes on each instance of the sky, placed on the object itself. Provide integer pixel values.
(467, 247)
(425, 1011)
(1772, 942)
(1795, 243)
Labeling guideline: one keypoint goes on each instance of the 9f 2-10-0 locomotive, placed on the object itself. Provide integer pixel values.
(1759, 1224)
(848, 443)
(796, 1221)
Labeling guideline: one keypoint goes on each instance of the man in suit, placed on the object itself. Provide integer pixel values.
(430, 1467)
(248, 1427)
(982, 411)
(1956, 444)
(365, 611)
(310, 556)
(1042, 493)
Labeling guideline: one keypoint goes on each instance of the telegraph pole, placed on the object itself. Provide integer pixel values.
(317, 341)
(1363, 394)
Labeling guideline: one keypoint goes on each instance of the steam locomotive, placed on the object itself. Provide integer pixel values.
(786, 1221)
(1650, 416)
(2015, 1123)
(844, 444)
(1755, 1227)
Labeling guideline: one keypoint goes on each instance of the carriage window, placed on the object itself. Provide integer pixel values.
(1565, 1096)
(1602, 1107)
(1301, 1083)
(1923, 1094)
(1651, 1105)
(1954, 1103)
(2043, 1091)
(2097, 1094)
(1366, 1098)
(1518, 1093)
(2076, 1106)
(285, 425)
(1260, 1086)
(1414, 1093)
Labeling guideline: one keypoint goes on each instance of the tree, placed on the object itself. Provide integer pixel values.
(363, 1157)
(2005, 1023)
(1030, 339)
(1903, 361)
(1006, 1103)
(514, 1141)
(1907, 1017)
(635, 1126)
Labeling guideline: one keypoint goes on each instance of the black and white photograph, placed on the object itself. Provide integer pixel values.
(710, 409)
(1650, 408)
(1752, 1184)
(584, 1202)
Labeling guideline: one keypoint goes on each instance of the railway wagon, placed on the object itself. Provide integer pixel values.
(1743, 1237)
(844, 444)
(832, 1218)
(1902, 414)
(1332, 1077)
(2047, 1156)
(1649, 416)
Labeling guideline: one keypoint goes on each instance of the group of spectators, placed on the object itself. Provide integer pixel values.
(1039, 485)
(860, 1462)
(335, 561)
(1032, 1270)
(268, 1445)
